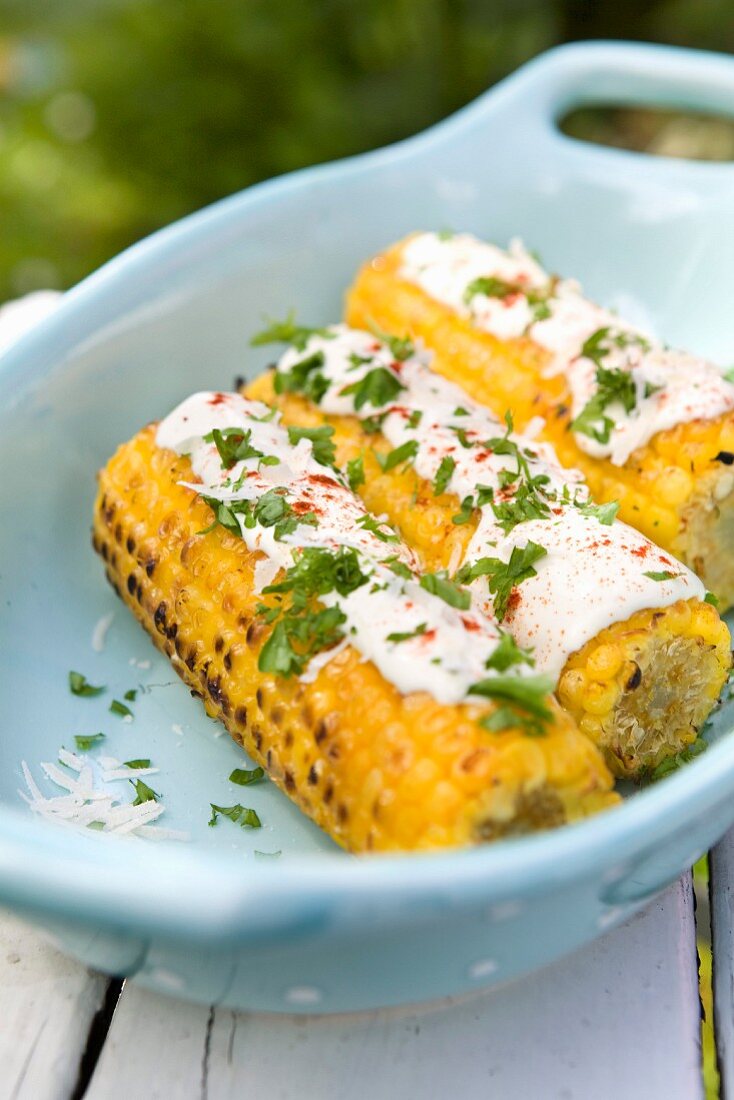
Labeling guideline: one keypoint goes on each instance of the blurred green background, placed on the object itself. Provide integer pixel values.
(117, 116)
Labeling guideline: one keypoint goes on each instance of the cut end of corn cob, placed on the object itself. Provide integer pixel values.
(377, 770)
(678, 489)
(641, 690)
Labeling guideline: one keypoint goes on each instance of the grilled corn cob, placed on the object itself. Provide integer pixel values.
(641, 686)
(674, 483)
(377, 769)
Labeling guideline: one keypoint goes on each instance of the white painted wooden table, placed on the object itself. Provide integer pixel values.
(620, 1019)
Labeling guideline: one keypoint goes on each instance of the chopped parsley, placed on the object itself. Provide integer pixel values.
(300, 630)
(143, 793)
(438, 584)
(355, 473)
(604, 513)
(504, 576)
(663, 575)
(233, 445)
(443, 475)
(244, 777)
(491, 287)
(369, 523)
(401, 347)
(467, 509)
(79, 685)
(397, 637)
(415, 418)
(604, 340)
(526, 504)
(288, 332)
(241, 816)
(130, 695)
(672, 763)
(399, 568)
(269, 510)
(134, 764)
(120, 709)
(406, 452)
(508, 653)
(614, 385)
(321, 442)
(712, 599)
(378, 387)
(304, 377)
(371, 425)
(85, 742)
(523, 702)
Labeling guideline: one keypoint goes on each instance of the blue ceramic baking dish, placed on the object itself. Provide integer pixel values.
(315, 930)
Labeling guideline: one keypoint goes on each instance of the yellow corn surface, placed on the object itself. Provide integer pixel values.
(640, 690)
(377, 770)
(673, 489)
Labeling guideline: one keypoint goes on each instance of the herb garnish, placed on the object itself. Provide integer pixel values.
(244, 777)
(321, 441)
(613, 385)
(604, 513)
(123, 711)
(355, 472)
(143, 793)
(288, 332)
(507, 654)
(378, 387)
(672, 763)
(134, 764)
(444, 473)
(304, 377)
(523, 699)
(504, 576)
(438, 584)
(404, 637)
(369, 523)
(404, 453)
(79, 685)
(241, 816)
(85, 742)
(233, 445)
(663, 575)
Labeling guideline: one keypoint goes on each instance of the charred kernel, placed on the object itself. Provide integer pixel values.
(257, 737)
(104, 551)
(328, 793)
(118, 532)
(259, 698)
(255, 632)
(191, 660)
(240, 716)
(178, 646)
(288, 781)
(218, 644)
(214, 687)
(276, 715)
(269, 759)
(288, 739)
(150, 566)
(113, 559)
(727, 457)
(172, 630)
(159, 618)
(312, 778)
(635, 679)
(342, 814)
(228, 660)
(139, 593)
(132, 584)
(130, 544)
(321, 732)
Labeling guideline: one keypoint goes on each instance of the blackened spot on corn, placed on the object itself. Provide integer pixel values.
(289, 781)
(139, 593)
(288, 739)
(104, 551)
(320, 734)
(333, 752)
(562, 410)
(214, 687)
(239, 382)
(196, 694)
(109, 513)
(159, 618)
(259, 698)
(307, 716)
(269, 758)
(118, 532)
(178, 646)
(228, 660)
(255, 632)
(150, 566)
(243, 622)
(191, 659)
(312, 778)
(342, 813)
(727, 457)
(276, 715)
(328, 794)
(240, 716)
(132, 584)
(257, 737)
(130, 544)
(635, 679)
(218, 644)
(172, 630)
(113, 559)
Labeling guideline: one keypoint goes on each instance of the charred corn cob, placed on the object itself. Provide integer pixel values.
(639, 658)
(649, 427)
(203, 568)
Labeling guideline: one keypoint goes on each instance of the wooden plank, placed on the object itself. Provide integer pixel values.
(620, 1018)
(721, 868)
(47, 1004)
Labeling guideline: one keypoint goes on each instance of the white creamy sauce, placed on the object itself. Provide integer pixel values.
(438, 658)
(672, 387)
(594, 574)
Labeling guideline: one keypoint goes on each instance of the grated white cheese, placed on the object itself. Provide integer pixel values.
(87, 800)
(99, 634)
